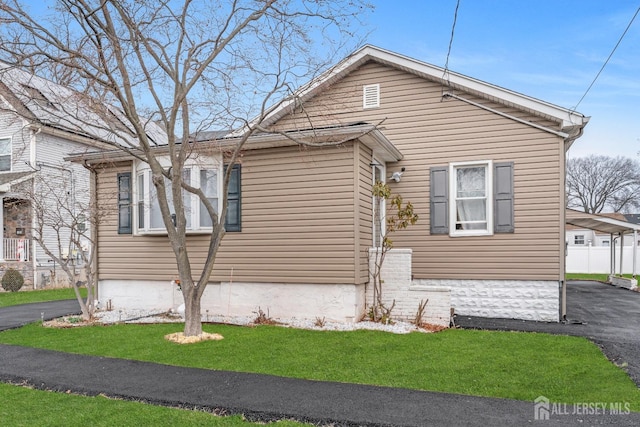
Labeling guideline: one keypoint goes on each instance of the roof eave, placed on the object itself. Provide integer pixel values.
(567, 119)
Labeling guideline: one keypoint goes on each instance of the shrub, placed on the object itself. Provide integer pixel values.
(12, 280)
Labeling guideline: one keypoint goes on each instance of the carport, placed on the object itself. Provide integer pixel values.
(615, 228)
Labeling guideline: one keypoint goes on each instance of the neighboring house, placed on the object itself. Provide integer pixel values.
(41, 123)
(482, 165)
(634, 218)
(577, 236)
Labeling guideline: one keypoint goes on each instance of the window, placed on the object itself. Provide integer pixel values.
(605, 243)
(470, 210)
(5, 154)
(204, 175)
(371, 96)
(472, 198)
(234, 202)
(578, 239)
(379, 206)
(209, 186)
(124, 203)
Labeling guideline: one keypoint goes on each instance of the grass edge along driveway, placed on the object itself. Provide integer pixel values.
(513, 365)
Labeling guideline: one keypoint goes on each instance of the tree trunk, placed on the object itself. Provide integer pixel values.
(193, 318)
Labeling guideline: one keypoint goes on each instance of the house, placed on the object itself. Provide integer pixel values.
(482, 165)
(578, 236)
(40, 123)
(618, 258)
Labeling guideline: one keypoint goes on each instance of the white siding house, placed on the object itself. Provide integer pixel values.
(33, 145)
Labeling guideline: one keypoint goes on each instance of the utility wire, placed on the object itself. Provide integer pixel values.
(607, 61)
(453, 30)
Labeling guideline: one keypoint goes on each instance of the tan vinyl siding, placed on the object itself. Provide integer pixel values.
(297, 224)
(365, 201)
(430, 131)
(297, 218)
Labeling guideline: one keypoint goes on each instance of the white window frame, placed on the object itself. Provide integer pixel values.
(377, 239)
(10, 154)
(581, 238)
(141, 168)
(488, 165)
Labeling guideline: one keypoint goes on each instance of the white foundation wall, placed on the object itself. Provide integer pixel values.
(340, 302)
(511, 299)
(397, 286)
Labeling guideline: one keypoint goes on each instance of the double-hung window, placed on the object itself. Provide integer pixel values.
(139, 207)
(472, 198)
(203, 175)
(5, 154)
(471, 211)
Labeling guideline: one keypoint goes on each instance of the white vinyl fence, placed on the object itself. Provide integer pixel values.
(597, 259)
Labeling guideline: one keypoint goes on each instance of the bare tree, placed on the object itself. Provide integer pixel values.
(64, 227)
(602, 183)
(188, 65)
(399, 216)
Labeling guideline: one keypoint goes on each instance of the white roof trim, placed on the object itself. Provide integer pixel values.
(571, 121)
(599, 223)
(368, 134)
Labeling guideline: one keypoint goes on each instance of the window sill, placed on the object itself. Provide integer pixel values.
(470, 233)
(164, 232)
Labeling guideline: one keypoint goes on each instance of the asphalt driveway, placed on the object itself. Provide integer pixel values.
(265, 397)
(20, 315)
(608, 316)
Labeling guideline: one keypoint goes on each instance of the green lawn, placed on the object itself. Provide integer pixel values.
(498, 364)
(26, 407)
(26, 297)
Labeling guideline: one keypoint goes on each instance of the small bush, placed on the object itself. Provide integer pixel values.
(12, 280)
(263, 318)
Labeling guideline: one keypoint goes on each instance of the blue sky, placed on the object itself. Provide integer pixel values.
(547, 49)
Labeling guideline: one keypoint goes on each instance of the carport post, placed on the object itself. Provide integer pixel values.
(621, 251)
(612, 255)
(635, 250)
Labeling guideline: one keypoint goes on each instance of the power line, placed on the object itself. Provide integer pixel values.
(453, 30)
(607, 61)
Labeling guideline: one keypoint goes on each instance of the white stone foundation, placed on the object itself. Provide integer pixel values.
(341, 303)
(512, 299)
(397, 286)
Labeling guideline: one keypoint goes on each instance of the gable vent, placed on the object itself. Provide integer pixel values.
(371, 96)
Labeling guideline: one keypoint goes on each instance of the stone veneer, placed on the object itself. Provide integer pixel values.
(398, 287)
(17, 214)
(512, 299)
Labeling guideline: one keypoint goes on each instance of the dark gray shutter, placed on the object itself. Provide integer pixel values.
(124, 203)
(233, 220)
(439, 200)
(503, 221)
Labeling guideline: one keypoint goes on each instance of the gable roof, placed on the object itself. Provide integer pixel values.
(58, 109)
(571, 123)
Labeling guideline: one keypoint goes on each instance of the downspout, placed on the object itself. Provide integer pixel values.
(32, 162)
(93, 185)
